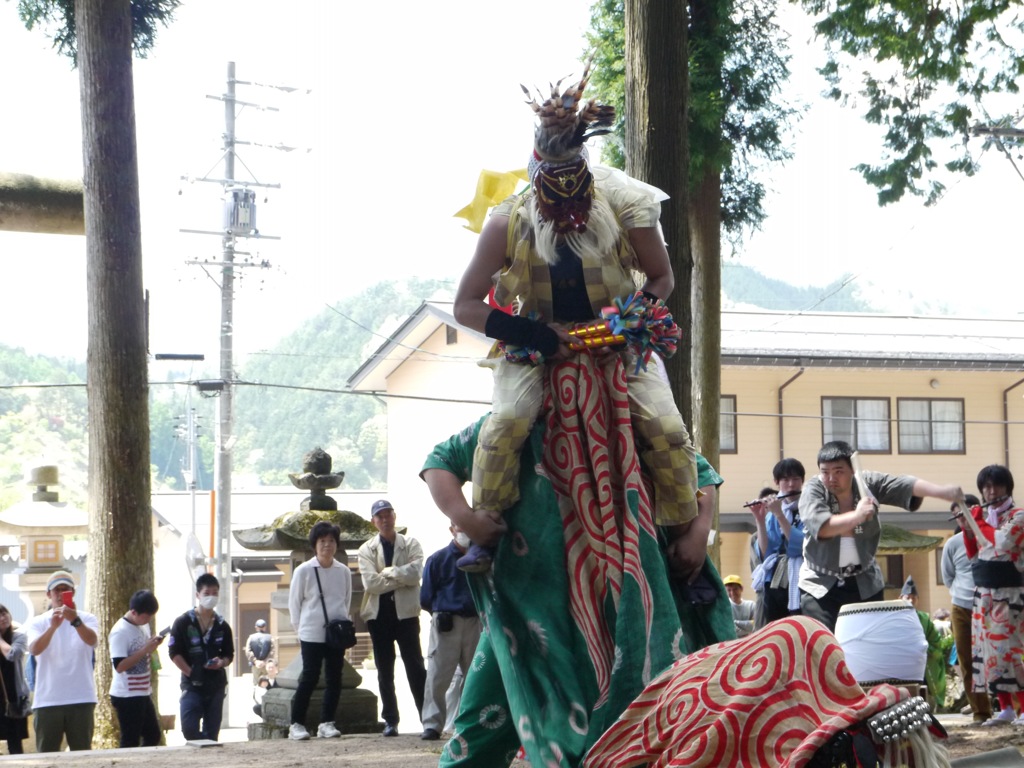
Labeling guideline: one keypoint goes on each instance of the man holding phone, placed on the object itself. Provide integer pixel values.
(63, 641)
(201, 645)
(131, 688)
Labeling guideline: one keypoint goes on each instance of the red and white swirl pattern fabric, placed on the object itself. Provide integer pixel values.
(592, 463)
(770, 699)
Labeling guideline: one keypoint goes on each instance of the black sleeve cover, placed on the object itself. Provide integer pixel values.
(521, 331)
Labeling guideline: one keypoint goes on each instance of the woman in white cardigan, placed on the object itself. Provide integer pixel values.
(307, 614)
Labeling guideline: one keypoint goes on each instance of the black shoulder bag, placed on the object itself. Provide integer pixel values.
(340, 633)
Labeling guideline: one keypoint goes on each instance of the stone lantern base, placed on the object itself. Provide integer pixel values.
(356, 712)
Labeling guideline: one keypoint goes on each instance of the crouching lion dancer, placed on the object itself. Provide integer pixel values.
(781, 697)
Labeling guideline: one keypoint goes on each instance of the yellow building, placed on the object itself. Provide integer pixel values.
(935, 397)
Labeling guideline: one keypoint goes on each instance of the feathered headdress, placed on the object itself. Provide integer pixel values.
(558, 167)
(566, 121)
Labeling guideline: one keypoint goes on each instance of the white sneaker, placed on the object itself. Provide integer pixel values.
(1003, 717)
(297, 732)
(327, 731)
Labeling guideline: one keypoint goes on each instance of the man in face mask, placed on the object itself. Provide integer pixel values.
(201, 645)
(454, 631)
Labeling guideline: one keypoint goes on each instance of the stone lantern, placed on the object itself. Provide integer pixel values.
(357, 707)
(40, 523)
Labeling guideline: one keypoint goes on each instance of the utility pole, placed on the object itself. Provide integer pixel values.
(239, 222)
(225, 423)
(188, 462)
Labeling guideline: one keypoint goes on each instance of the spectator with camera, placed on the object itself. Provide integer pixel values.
(201, 645)
(131, 652)
(454, 630)
(63, 640)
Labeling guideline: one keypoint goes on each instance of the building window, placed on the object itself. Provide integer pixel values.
(930, 426)
(892, 570)
(727, 424)
(45, 551)
(861, 422)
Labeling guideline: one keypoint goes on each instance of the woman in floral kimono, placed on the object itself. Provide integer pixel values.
(997, 562)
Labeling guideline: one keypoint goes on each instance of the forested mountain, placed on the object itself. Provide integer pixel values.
(289, 398)
(279, 418)
(744, 287)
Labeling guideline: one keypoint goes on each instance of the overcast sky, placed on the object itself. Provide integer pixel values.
(408, 102)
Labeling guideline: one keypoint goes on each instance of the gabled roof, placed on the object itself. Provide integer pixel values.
(850, 340)
(372, 375)
(771, 338)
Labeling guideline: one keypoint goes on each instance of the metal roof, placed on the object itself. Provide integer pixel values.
(850, 340)
(773, 338)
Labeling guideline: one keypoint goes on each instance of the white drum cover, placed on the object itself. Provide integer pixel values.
(883, 641)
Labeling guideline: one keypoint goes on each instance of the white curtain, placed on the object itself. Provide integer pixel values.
(947, 425)
(872, 425)
(915, 430)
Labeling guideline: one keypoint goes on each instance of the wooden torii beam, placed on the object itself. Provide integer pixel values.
(33, 204)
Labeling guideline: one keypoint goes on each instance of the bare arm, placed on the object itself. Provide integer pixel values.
(688, 543)
(446, 491)
(758, 510)
(147, 648)
(472, 310)
(85, 633)
(925, 488)
(470, 306)
(653, 259)
(41, 643)
(844, 523)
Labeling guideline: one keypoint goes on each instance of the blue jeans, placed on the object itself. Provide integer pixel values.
(315, 655)
(201, 704)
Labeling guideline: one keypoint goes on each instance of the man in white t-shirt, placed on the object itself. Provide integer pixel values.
(131, 687)
(63, 641)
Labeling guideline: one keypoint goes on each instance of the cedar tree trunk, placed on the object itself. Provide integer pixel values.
(120, 520)
(657, 151)
(705, 231)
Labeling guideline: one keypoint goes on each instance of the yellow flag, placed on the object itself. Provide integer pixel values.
(491, 188)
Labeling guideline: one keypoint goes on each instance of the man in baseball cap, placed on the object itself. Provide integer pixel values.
(260, 650)
(63, 640)
(742, 610)
(381, 505)
(391, 566)
(60, 577)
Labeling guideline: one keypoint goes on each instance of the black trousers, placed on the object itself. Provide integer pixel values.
(137, 717)
(385, 631)
(776, 604)
(315, 655)
(826, 609)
